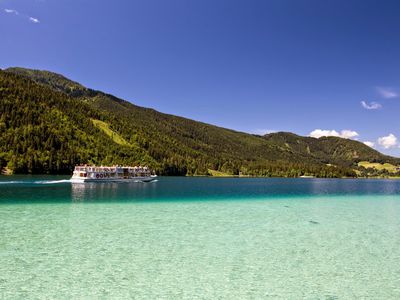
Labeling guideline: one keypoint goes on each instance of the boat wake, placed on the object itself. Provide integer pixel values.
(52, 181)
(145, 181)
(12, 182)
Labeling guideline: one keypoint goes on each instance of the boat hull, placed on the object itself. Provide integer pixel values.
(131, 179)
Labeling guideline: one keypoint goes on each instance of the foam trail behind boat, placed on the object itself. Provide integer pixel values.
(51, 181)
(28, 182)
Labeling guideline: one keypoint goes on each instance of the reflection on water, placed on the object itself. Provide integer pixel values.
(56, 189)
(93, 191)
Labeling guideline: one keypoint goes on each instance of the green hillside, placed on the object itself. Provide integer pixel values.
(49, 123)
(333, 150)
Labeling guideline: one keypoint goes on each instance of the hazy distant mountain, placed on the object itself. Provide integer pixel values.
(49, 123)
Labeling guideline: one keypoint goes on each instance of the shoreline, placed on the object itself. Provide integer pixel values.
(9, 174)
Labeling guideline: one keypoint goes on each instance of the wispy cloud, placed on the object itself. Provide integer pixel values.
(346, 134)
(389, 141)
(263, 131)
(34, 20)
(15, 12)
(387, 92)
(369, 144)
(11, 11)
(371, 105)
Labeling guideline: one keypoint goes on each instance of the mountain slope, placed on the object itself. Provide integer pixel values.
(332, 150)
(169, 144)
(42, 130)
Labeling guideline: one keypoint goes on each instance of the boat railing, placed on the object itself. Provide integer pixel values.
(137, 170)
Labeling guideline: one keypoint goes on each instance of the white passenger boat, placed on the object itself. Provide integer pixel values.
(111, 174)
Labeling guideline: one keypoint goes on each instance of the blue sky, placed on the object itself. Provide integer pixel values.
(309, 67)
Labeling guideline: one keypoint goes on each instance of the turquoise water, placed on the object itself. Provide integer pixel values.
(200, 238)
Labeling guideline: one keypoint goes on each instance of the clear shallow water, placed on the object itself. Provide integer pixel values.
(200, 238)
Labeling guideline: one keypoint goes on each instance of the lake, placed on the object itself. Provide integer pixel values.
(200, 238)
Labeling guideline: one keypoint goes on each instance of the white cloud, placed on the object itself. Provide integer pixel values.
(387, 93)
(346, 134)
(34, 20)
(317, 133)
(371, 105)
(389, 141)
(369, 144)
(263, 131)
(11, 11)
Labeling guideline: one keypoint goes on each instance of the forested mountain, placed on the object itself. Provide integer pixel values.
(333, 150)
(49, 123)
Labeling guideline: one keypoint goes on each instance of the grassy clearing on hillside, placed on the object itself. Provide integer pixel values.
(389, 167)
(106, 128)
(215, 173)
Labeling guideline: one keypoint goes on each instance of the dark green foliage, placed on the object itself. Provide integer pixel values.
(46, 127)
(44, 131)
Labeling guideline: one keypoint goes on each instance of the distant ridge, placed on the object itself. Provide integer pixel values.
(49, 123)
